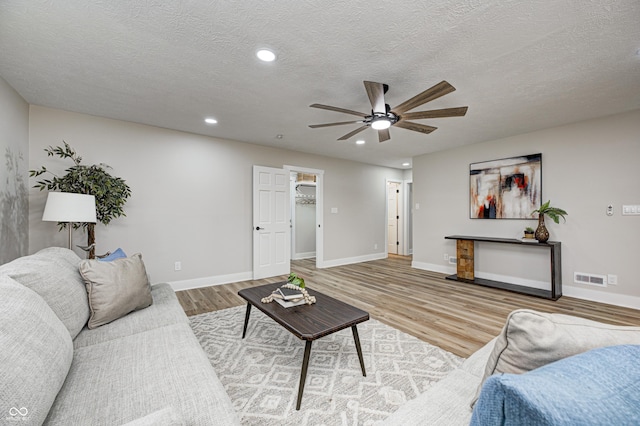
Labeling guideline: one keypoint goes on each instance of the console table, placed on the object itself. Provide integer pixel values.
(465, 265)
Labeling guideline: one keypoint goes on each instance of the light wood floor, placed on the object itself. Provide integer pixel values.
(457, 317)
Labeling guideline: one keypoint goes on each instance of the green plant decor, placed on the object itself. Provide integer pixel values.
(111, 192)
(555, 213)
(295, 280)
(529, 230)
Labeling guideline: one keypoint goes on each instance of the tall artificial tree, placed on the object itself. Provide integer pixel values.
(111, 192)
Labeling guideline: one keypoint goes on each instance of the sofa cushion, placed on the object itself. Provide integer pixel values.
(165, 310)
(165, 417)
(53, 274)
(121, 380)
(599, 387)
(35, 354)
(531, 339)
(115, 288)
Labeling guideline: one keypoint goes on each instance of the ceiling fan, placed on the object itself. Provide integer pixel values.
(382, 116)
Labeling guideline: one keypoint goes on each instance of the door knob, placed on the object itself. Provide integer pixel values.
(258, 228)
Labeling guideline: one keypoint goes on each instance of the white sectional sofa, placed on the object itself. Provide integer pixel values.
(542, 348)
(145, 368)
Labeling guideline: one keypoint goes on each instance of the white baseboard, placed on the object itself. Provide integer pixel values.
(449, 270)
(632, 302)
(350, 260)
(307, 255)
(601, 296)
(209, 281)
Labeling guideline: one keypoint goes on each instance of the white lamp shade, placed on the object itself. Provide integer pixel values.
(70, 207)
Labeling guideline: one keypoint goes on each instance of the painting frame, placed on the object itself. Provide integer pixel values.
(507, 188)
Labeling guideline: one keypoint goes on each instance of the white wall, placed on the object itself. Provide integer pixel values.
(585, 167)
(14, 149)
(191, 198)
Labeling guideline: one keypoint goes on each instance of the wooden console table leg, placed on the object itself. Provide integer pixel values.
(464, 253)
(246, 320)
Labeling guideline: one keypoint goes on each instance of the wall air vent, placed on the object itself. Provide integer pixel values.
(590, 279)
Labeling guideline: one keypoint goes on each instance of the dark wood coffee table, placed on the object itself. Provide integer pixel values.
(307, 322)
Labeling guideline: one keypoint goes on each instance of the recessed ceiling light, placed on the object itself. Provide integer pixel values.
(359, 142)
(266, 55)
(406, 164)
(210, 120)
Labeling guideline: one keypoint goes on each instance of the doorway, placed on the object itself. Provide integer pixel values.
(303, 215)
(395, 240)
(307, 226)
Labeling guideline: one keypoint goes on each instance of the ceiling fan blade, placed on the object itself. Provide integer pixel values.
(375, 91)
(315, 126)
(428, 95)
(436, 113)
(383, 135)
(355, 132)
(415, 127)
(336, 109)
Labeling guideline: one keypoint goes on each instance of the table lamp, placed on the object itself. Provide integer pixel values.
(69, 207)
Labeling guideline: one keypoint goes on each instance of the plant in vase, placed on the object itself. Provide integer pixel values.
(555, 213)
(529, 232)
(111, 192)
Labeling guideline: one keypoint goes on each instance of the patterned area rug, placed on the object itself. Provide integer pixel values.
(261, 372)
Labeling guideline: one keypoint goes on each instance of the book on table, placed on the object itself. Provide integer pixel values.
(287, 294)
(288, 297)
(290, 303)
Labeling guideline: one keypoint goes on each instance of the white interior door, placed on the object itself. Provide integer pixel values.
(271, 222)
(393, 217)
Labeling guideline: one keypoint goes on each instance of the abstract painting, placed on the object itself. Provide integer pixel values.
(510, 188)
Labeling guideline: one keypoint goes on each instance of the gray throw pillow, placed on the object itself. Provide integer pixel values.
(115, 288)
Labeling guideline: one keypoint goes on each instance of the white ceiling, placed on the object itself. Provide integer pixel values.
(519, 65)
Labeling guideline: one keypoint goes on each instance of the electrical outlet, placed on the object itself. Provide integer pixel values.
(177, 266)
(446, 257)
(612, 279)
(375, 247)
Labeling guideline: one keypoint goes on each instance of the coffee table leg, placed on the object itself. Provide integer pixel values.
(359, 349)
(246, 320)
(303, 374)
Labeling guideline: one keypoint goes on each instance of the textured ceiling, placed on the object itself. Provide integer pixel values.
(519, 65)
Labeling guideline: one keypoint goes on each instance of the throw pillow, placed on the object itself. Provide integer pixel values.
(115, 288)
(35, 355)
(598, 387)
(531, 339)
(117, 254)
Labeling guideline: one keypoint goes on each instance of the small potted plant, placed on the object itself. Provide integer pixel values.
(555, 213)
(295, 280)
(528, 232)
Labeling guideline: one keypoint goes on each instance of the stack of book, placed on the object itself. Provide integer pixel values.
(288, 297)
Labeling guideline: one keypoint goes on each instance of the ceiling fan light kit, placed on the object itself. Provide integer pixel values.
(383, 117)
(380, 123)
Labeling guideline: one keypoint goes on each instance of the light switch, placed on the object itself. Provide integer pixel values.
(334, 210)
